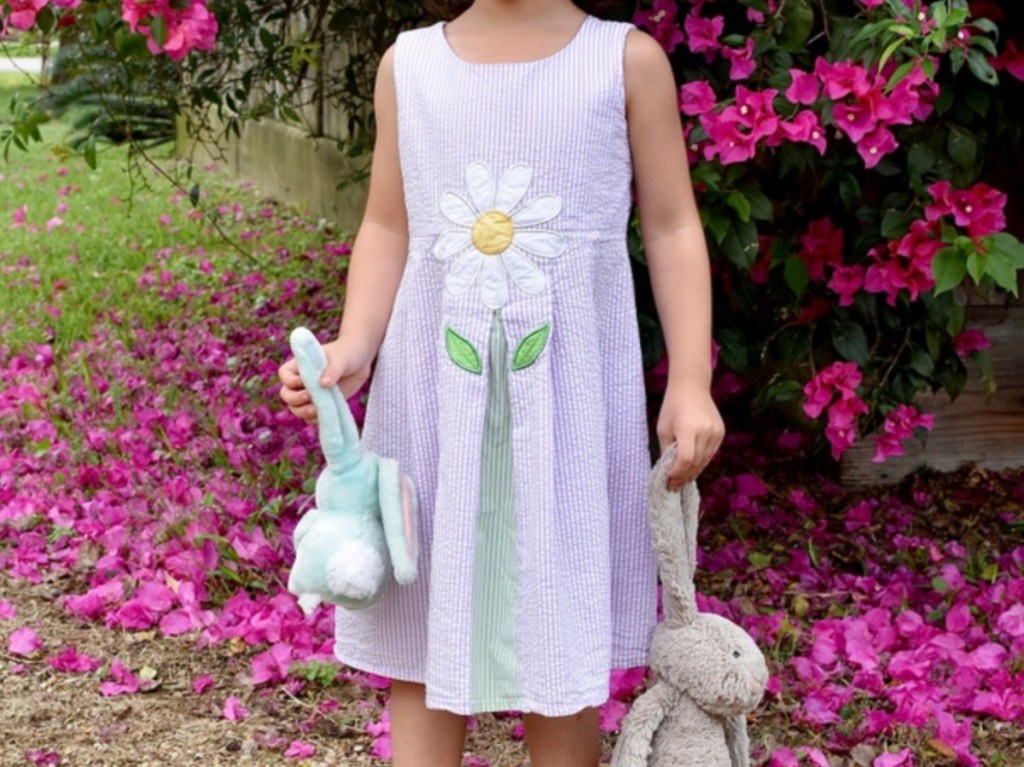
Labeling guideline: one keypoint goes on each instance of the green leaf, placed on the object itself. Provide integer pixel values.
(740, 204)
(758, 559)
(1000, 268)
(962, 147)
(851, 341)
(462, 352)
(760, 205)
(89, 151)
(797, 22)
(977, 266)
(895, 223)
(921, 362)
(531, 347)
(796, 274)
(981, 69)
(1011, 246)
(948, 269)
(158, 30)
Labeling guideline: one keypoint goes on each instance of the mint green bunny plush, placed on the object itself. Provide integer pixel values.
(364, 523)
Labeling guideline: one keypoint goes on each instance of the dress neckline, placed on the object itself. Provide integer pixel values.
(556, 54)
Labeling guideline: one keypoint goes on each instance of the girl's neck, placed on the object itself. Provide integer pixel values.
(511, 12)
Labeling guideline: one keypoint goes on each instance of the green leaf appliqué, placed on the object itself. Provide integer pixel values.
(531, 347)
(462, 352)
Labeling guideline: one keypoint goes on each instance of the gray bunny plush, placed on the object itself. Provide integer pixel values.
(709, 672)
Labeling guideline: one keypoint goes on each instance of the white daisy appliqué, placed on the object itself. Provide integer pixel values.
(494, 235)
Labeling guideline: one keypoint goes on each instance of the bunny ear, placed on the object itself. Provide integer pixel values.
(339, 438)
(737, 740)
(673, 519)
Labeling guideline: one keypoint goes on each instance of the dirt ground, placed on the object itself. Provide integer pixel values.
(50, 711)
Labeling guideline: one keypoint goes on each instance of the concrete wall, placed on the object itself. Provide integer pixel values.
(287, 164)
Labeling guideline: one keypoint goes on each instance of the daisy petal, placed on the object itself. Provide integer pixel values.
(481, 186)
(524, 272)
(493, 284)
(542, 244)
(537, 211)
(512, 187)
(457, 210)
(451, 243)
(463, 272)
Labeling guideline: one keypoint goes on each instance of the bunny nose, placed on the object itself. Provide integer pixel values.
(755, 687)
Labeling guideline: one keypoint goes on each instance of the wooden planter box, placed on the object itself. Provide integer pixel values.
(989, 433)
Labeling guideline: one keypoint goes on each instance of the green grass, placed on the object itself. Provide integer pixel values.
(24, 48)
(88, 272)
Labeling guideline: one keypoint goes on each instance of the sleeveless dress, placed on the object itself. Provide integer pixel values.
(509, 385)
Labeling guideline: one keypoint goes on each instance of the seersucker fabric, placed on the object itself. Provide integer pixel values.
(509, 384)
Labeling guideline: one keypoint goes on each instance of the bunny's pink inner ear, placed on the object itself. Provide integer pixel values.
(408, 517)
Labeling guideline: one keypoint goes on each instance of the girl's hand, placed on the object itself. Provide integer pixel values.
(689, 418)
(348, 365)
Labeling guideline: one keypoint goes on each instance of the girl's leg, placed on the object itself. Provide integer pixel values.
(420, 736)
(563, 741)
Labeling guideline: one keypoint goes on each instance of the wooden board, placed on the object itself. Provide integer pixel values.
(970, 429)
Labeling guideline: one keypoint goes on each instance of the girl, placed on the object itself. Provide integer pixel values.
(508, 381)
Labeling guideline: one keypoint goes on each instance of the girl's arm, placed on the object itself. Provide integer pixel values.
(381, 245)
(375, 267)
(676, 255)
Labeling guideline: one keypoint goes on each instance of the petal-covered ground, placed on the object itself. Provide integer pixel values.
(150, 480)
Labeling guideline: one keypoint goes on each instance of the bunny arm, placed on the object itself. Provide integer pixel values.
(673, 523)
(737, 741)
(633, 747)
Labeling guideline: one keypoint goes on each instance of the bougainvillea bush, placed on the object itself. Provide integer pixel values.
(843, 154)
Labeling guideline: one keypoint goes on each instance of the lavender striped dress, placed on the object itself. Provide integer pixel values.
(509, 384)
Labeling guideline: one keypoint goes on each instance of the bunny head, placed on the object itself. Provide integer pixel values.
(364, 523)
(712, 659)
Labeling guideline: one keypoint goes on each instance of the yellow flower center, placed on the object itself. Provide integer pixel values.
(493, 232)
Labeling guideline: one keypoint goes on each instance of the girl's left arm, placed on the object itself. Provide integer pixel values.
(677, 256)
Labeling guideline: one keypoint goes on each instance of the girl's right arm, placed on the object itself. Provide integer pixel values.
(375, 266)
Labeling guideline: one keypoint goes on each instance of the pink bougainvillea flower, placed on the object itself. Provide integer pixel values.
(841, 78)
(68, 659)
(696, 98)
(7, 610)
(855, 119)
(381, 732)
(233, 709)
(840, 378)
(876, 145)
(736, 130)
(804, 89)
(899, 426)
(1011, 621)
(299, 749)
(741, 60)
(24, 641)
(971, 340)
(610, 715)
(660, 21)
(1011, 60)
(908, 265)
(869, 4)
(188, 28)
(18, 216)
(979, 209)
(121, 680)
(202, 683)
(822, 244)
(42, 758)
(703, 34)
(904, 758)
(846, 281)
(22, 13)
